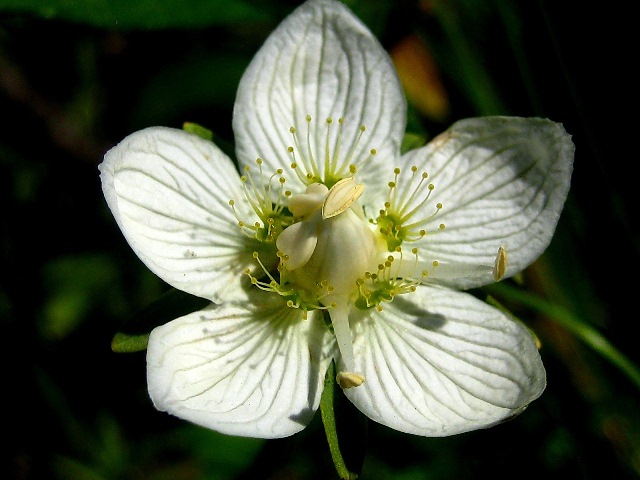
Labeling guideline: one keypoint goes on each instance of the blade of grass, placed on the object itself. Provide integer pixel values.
(585, 332)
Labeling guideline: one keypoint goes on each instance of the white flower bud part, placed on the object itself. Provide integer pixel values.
(306, 203)
(298, 243)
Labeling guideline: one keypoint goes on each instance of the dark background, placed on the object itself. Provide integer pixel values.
(76, 77)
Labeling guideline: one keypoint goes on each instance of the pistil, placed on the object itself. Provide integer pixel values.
(325, 253)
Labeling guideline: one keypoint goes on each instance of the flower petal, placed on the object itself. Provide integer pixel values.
(502, 181)
(169, 191)
(440, 362)
(253, 370)
(320, 62)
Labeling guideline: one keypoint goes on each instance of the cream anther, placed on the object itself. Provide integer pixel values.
(500, 265)
(341, 196)
(349, 379)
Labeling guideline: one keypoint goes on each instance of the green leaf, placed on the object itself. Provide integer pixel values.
(133, 335)
(140, 14)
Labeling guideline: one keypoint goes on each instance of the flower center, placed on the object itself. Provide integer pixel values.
(329, 256)
(326, 252)
(331, 244)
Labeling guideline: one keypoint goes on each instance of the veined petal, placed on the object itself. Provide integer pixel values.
(439, 362)
(169, 191)
(501, 181)
(252, 369)
(320, 62)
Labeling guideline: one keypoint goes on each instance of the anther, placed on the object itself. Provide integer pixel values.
(349, 379)
(341, 196)
(500, 265)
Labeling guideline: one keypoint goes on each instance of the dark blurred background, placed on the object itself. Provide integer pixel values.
(77, 76)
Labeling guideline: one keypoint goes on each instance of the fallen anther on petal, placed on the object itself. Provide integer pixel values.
(500, 265)
(349, 379)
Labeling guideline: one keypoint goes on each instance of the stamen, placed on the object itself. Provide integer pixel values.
(352, 151)
(297, 297)
(309, 151)
(404, 204)
(341, 196)
(327, 149)
(296, 167)
(326, 290)
(349, 379)
(335, 165)
(500, 265)
(336, 153)
(309, 170)
(268, 203)
(396, 276)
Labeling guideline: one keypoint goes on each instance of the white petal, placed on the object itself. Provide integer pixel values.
(169, 191)
(502, 181)
(252, 370)
(322, 62)
(440, 362)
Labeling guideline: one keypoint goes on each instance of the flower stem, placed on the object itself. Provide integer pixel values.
(329, 421)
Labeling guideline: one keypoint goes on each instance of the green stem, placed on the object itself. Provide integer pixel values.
(329, 421)
(580, 329)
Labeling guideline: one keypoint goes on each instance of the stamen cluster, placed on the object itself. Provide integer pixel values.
(386, 283)
(333, 167)
(267, 201)
(394, 220)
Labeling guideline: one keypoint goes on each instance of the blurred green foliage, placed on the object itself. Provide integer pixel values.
(144, 14)
(77, 76)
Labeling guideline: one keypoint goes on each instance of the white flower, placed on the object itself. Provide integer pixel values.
(333, 246)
